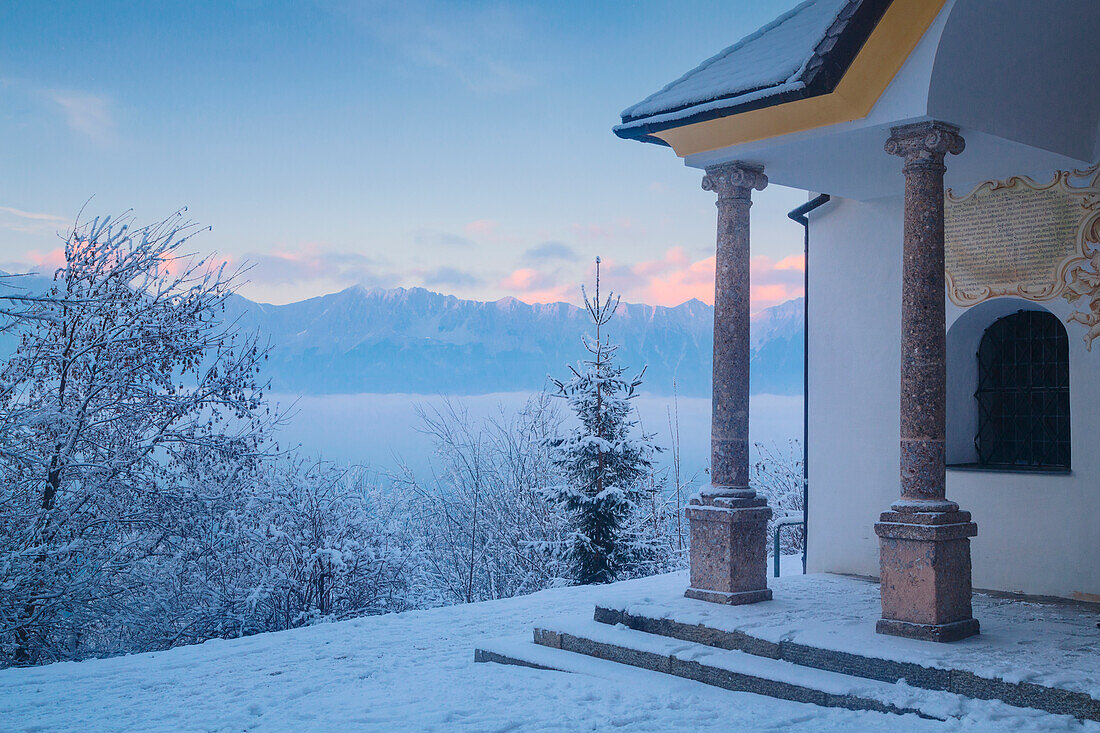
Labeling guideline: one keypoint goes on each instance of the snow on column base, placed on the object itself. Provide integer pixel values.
(928, 632)
(729, 562)
(924, 571)
(730, 599)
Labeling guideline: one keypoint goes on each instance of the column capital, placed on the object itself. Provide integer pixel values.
(734, 180)
(925, 142)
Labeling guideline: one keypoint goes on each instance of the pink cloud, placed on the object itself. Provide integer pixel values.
(532, 286)
(523, 279)
(675, 260)
(47, 262)
(775, 282)
(674, 278)
(668, 280)
(792, 262)
(482, 228)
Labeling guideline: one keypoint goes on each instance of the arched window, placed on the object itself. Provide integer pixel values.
(1023, 393)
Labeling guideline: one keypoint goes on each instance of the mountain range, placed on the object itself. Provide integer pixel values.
(414, 340)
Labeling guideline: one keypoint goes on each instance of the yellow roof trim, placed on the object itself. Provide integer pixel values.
(902, 26)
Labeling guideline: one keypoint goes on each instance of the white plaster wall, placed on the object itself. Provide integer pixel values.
(1037, 534)
(854, 316)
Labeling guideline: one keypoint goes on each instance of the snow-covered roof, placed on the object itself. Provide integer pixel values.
(802, 53)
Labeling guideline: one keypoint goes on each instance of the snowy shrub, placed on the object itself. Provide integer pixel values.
(300, 543)
(486, 528)
(332, 544)
(777, 475)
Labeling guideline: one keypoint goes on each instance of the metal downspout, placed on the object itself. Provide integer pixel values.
(799, 215)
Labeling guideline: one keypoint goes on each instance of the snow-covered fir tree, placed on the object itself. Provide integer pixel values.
(606, 460)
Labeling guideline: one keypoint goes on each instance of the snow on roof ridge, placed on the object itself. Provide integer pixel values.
(746, 94)
(711, 105)
(723, 53)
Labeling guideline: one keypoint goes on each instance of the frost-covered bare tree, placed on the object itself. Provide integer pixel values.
(777, 474)
(488, 531)
(333, 544)
(126, 371)
(18, 306)
(298, 542)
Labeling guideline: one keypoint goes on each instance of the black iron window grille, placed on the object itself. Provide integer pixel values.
(1023, 393)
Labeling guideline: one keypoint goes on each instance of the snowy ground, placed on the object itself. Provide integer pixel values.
(411, 671)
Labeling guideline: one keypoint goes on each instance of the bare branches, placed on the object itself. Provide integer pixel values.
(777, 475)
(486, 528)
(126, 369)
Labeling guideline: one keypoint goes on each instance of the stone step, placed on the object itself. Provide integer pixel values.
(522, 651)
(743, 672)
(955, 681)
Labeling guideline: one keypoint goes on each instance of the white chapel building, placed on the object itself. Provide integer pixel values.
(953, 300)
(949, 153)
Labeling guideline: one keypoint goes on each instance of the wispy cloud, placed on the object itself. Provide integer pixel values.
(552, 250)
(450, 277)
(312, 262)
(534, 286)
(482, 228)
(792, 262)
(86, 114)
(478, 47)
(31, 222)
(444, 240)
(34, 215)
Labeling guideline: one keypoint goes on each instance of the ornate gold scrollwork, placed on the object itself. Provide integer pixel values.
(1074, 275)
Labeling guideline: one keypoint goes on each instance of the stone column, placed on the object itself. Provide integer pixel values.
(924, 539)
(728, 521)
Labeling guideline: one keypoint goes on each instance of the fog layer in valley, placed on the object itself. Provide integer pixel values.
(380, 429)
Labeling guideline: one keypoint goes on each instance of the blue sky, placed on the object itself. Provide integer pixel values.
(463, 146)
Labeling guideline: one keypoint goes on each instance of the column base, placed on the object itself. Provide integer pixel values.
(729, 539)
(730, 599)
(928, 632)
(925, 575)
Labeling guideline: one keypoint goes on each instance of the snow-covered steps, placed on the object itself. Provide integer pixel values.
(743, 672)
(1035, 659)
(583, 646)
(519, 650)
(523, 652)
(658, 622)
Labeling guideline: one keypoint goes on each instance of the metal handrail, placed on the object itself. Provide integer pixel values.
(788, 521)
